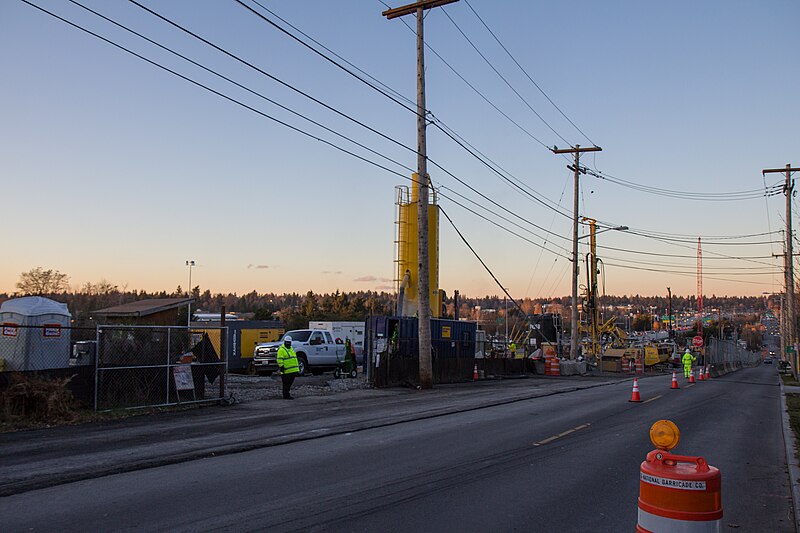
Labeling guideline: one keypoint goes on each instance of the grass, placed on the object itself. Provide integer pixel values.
(30, 402)
(788, 379)
(793, 406)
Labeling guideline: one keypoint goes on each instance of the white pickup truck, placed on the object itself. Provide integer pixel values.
(316, 351)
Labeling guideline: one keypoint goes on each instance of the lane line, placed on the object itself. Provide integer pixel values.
(654, 398)
(562, 434)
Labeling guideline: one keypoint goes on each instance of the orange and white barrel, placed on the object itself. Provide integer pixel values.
(679, 493)
(639, 366)
(555, 366)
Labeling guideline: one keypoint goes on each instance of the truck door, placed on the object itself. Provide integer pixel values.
(336, 350)
(319, 349)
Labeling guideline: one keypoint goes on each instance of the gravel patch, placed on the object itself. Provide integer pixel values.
(253, 388)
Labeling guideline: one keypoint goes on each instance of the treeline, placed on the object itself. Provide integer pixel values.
(294, 309)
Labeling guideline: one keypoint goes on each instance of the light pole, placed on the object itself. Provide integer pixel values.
(190, 264)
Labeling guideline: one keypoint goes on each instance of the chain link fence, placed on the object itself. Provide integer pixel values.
(154, 366)
(728, 355)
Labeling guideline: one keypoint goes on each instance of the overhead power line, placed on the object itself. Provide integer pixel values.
(526, 73)
(688, 195)
(514, 90)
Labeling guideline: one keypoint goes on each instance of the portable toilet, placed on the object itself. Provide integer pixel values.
(35, 334)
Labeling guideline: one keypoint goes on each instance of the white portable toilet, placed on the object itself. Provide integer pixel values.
(34, 334)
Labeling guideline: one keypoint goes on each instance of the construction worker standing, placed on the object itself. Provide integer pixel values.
(287, 364)
(687, 360)
(512, 347)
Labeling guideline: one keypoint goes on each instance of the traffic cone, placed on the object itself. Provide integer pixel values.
(691, 377)
(475, 373)
(708, 374)
(675, 380)
(700, 375)
(635, 393)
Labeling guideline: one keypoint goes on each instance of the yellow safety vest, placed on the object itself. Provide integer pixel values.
(688, 359)
(287, 360)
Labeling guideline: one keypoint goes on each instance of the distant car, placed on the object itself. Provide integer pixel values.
(772, 352)
(768, 361)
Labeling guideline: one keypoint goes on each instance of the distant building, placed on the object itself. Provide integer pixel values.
(153, 312)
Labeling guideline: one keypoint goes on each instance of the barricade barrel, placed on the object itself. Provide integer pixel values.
(679, 493)
(639, 366)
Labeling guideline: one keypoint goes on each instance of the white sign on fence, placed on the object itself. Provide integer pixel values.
(183, 377)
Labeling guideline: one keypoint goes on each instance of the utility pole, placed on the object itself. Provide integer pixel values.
(788, 264)
(669, 311)
(423, 283)
(577, 150)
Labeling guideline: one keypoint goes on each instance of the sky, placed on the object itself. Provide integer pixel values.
(115, 169)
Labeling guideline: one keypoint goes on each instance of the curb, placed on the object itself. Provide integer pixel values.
(791, 459)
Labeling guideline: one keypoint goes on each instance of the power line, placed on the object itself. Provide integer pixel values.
(528, 105)
(684, 195)
(526, 73)
(490, 165)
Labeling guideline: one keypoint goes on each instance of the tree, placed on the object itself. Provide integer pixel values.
(40, 281)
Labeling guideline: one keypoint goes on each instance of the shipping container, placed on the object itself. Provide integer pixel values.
(392, 350)
(243, 335)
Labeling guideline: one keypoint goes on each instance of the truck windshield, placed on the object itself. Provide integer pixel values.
(300, 335)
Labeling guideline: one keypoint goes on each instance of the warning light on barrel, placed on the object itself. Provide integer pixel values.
(664, 435)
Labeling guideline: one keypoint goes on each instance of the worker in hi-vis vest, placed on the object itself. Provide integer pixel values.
(287, 364)
(687, 360)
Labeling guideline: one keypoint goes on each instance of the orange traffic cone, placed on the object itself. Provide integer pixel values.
(700, 375)
(635, 393)
(475, 373)
(708, 374)
(691, 377)
(675, 380)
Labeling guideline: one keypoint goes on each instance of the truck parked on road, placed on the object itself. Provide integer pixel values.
(316, 349)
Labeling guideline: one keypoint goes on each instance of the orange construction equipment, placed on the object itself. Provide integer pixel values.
(475, 372)
(677, 492)
(691, 377)
(708, 374)
(635, 393)
(674, 380)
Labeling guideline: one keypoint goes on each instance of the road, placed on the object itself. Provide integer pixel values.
(567, 462)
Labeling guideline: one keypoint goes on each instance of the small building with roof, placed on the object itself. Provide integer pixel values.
(152, 312)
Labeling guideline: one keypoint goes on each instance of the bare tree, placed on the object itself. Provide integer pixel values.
(40, 281)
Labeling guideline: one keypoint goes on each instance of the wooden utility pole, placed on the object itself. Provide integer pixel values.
(669, 312)
(423, 283)
(573, 339)
(788, 266)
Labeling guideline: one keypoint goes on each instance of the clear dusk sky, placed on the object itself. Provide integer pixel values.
(114, 169)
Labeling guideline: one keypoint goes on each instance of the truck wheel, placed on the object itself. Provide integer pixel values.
(337, 373)
(302, 363)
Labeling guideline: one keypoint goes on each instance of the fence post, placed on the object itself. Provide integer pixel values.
(169, 345)
(96, 363)
(223, 338)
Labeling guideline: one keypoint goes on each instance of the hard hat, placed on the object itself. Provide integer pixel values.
(287, 338)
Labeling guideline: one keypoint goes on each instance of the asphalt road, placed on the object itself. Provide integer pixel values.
(501, 468)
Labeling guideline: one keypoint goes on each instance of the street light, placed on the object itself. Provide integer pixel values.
(190, 264)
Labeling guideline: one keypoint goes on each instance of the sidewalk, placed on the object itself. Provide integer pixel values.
(45, 457)
(791, 445)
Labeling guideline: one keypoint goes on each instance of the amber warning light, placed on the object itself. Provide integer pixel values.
(664, 435)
